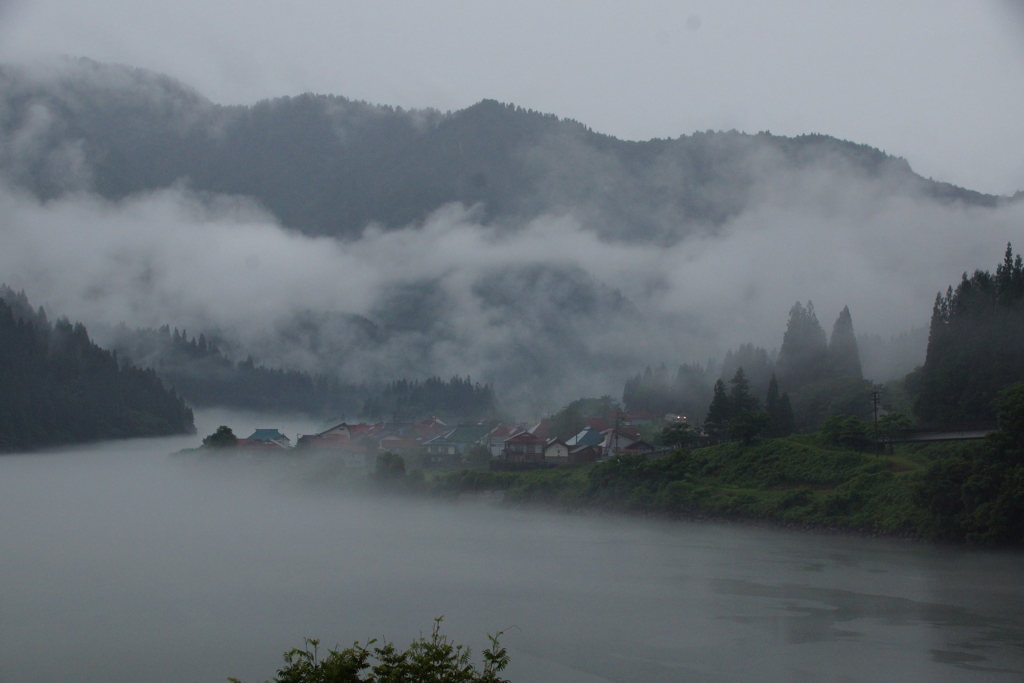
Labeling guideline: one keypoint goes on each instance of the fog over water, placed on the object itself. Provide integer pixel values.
(122, 563)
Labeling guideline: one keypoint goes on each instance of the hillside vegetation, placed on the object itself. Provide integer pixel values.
(967, 491)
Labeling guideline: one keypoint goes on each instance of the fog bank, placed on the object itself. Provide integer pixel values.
(547, 311)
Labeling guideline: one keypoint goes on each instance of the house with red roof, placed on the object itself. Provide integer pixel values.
(496, 438)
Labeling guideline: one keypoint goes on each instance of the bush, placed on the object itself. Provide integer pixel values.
(222, 438)
(427, 660)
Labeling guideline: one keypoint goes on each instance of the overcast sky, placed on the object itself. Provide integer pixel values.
(940, 82)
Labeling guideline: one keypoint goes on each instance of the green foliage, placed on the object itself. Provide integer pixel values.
(224, 437)
(814, 403)
(716, 422)
(788, 480)
(1009, 440)
(747, 426)
(980, 496)
(890, 424)
(58, 387)
(678, 435)
(568, 421)
(389, 467)
(849, 431)
(974, 347)
(427, 660)
(477, 455)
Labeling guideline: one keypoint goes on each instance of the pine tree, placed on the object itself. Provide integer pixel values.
(803, 358)
(720, 412)
(739, 396)
(843, 356)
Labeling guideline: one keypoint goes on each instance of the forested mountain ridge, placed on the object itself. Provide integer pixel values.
(328, 165)
(57, 387)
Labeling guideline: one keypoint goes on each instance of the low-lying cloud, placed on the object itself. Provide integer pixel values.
(547, 311)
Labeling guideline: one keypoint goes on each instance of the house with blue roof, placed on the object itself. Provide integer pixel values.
(266, 437)
(587, 437)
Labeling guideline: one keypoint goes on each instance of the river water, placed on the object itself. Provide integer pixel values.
(119, 562)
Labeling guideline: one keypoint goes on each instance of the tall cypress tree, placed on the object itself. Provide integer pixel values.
(843, 356)
(803, 358)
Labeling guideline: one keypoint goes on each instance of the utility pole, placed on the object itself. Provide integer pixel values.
(875, 395)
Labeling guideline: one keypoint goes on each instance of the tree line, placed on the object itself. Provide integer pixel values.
(202, 372)
(58, 387)
(812, 377)
(975, 347)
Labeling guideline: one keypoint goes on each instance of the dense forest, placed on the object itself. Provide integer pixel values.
(975, 347)
(329, 165)
(57, 387)
(205, 375)
(974, 352)
(813, 377)
(456, 398)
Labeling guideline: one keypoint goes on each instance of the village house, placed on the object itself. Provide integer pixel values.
(542, 429)
(588, 436)
(496, 438)
(399, 445)
(583, 455)
(442, 452)
(524, 448)
(270, 439)
(556, 452)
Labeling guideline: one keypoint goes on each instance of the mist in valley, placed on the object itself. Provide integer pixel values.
(547, 200)
(546, 311)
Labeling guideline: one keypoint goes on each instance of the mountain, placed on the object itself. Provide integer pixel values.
(326, 165)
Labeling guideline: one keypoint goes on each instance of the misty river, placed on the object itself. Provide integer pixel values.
(122, 563)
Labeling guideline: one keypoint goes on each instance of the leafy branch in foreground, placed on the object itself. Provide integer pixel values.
(428, 660)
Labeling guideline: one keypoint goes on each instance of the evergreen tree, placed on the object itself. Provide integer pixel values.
(740, 398)
(803, 358)
(974, 347)
(58, 387)
(716, 423)
(757, 366)
(843, 355)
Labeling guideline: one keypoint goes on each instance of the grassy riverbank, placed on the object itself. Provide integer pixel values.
(794, 481)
